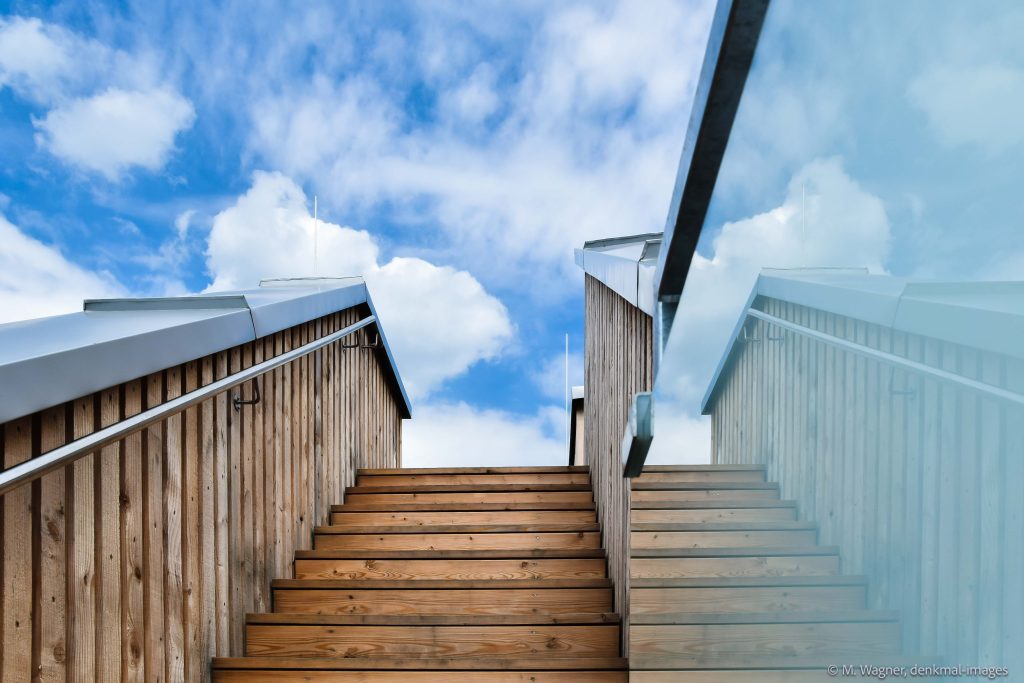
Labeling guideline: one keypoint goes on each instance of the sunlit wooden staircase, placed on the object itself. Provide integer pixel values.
(467, 574)
(726, 585)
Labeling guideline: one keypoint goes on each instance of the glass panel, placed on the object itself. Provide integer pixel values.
(871, 134)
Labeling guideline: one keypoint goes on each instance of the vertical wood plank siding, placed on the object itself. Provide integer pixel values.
(139, 561)
(617, 364)
(918, 481)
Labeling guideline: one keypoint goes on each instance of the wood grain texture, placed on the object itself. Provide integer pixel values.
(461, 569)
(137, 562)
(618, 363)
(451, 642)
(914, 478)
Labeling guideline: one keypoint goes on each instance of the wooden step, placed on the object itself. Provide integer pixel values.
(413, 506)
(486, 528)
(708, 504)
(421, 670)
(354, 495)
(545, 479)
(638, 485)
(499, 637)
(467, 488)
(326, 566)
(787, 634)
(691, 516)
(717, 476)
(458, 541)
(721, 535)
(467, 554)
(781, 525)
(502, 517)
(443, 597)
(754, 669)
(640, 497)
(704, 468)
(734, 562)
(538, 469)
(759, 594)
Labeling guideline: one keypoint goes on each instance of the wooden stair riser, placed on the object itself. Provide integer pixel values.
(356, 496)
(716, 539)
(643, 601)
(496, 517)
(747, 676)
(694, 567)
(468, 570)
(681, 496)
(470, 479)
(840, 640)
(715, 515)
(537, 469)
(481, 541)
(451, 642)
(444, 602)
(257, 676)
(717, 477)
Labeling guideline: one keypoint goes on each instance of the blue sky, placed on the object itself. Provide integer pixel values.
(459, 151)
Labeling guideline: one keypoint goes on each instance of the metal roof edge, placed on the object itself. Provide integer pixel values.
(984, 315)
(48, 361)
(626, 265)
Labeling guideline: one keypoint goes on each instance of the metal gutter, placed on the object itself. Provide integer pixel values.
(988, 316)
(48, 361)
(626, 265)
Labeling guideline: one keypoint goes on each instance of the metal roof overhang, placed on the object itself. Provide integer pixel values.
(732, 41)
(48, 361)
(988, 316)
(625, 265)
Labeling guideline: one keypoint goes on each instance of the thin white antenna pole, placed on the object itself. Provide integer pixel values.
(316, 236)
(803, 225)
(568, 417)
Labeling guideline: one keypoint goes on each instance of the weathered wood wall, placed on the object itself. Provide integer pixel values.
(139, 562)
(919, 482)
(618, 357)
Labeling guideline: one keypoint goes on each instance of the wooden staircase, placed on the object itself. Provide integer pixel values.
(467, 574)
(727, 586)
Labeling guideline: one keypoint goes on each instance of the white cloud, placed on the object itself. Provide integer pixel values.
(550, 376)
(116, 130)
(583, 133)
(844, 226)
(454, 435)
(439, 320)
(982, 105)
(268, 233)
(36, 280)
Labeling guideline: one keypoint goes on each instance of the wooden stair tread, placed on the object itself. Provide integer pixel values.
(791, 617)
(460, 507)
(512, 554)
(742, 551)
(764, 662)
(538, 469)
(431, 664)
(433, 584)
(703, 468)
(774, 525)
(713, 504)
(455, 528)
(702, 485)
(418, 620)
(750, 581)
(466, 488)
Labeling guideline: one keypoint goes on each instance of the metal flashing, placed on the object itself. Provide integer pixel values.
(625, 265)
(988, 316)
(48, 361)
